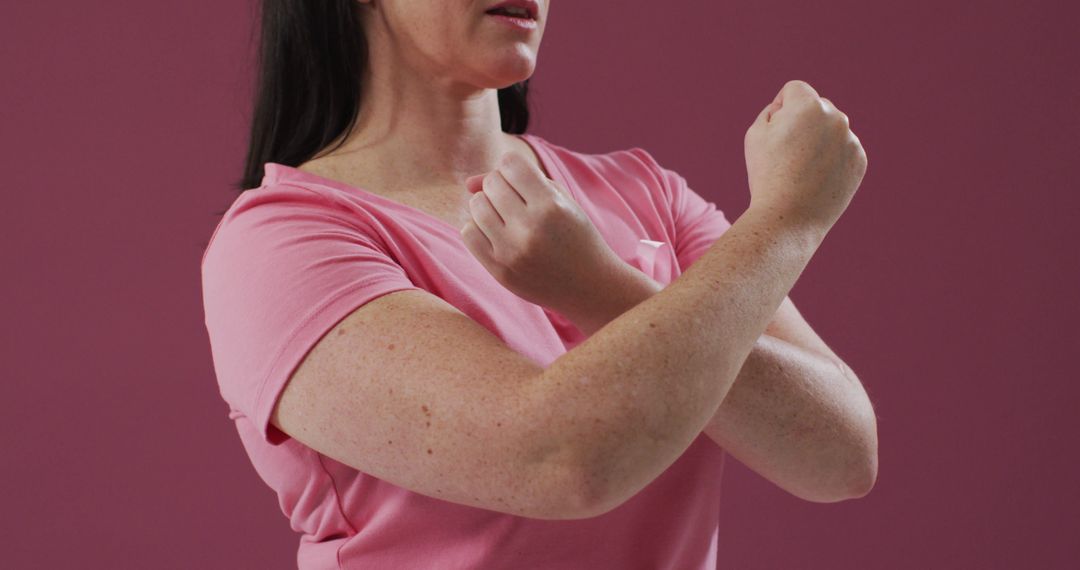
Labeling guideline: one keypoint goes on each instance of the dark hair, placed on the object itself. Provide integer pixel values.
(311, 60)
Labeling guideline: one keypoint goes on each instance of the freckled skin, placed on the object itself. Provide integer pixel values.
(646, 400)
(666, 370)
(337, 402)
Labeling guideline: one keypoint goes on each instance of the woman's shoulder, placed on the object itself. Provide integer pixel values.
(281, 206)
(622, 161)
(622, 152)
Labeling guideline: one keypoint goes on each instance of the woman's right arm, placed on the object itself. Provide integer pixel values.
(410, 390)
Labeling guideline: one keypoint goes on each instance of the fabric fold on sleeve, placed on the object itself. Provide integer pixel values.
(697, 222)
(282, 268)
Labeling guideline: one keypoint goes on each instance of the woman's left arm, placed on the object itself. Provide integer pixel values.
(796, 414)
(799, 416)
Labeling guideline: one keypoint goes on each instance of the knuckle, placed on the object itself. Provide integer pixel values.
(516, 166)
(840, 121)
(810, 108)
(832, 110)
(511, 167)
(485, 186)
(797, 84)
(475, 203)
(509, 162)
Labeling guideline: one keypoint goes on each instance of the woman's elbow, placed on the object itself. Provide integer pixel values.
(852, 478)
(865, 477)
(862, 470)
(862, 467)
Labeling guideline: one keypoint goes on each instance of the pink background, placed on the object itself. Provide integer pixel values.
(950, 285)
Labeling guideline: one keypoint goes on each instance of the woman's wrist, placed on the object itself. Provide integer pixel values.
(619, 288)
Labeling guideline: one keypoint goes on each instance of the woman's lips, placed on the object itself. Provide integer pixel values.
(515, 22)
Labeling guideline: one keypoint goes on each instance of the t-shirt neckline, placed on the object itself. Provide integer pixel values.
(277, 172)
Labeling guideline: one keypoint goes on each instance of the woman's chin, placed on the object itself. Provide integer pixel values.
(512, 70)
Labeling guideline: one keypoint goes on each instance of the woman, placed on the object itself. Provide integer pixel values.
(446, 343)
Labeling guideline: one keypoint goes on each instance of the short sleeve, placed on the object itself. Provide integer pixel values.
(696, 222)
(284, 265)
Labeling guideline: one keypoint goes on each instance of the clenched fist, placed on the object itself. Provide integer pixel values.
(803, 161)
(530, 234)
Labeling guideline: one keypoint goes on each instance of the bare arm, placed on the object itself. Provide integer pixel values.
(796, 419)
(797, 415)
(627, 401)
(410, 390)
(801, 418)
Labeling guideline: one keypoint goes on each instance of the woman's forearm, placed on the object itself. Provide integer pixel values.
(792, 416)
(633, 396)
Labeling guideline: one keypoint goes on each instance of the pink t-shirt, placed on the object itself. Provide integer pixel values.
(291, 258)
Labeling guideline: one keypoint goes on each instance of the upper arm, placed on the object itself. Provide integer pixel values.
(318, 334)
(411, 390)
